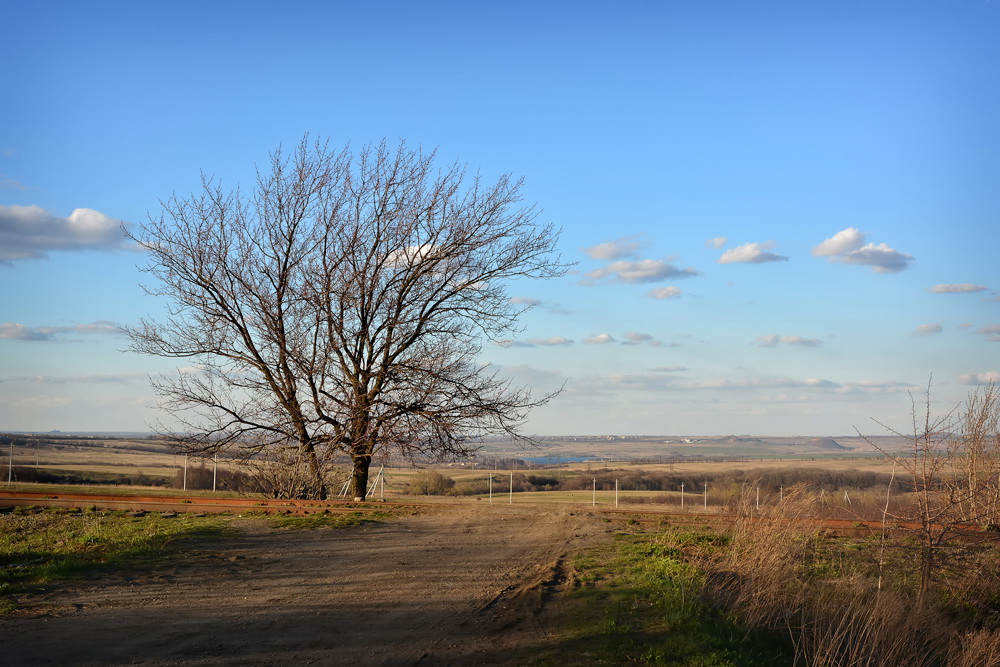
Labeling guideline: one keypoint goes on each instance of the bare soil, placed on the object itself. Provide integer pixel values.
(456, 585)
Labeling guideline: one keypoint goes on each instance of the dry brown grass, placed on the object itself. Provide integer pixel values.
(844, 604)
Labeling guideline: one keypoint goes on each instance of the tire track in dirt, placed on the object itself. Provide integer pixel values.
(457, 585)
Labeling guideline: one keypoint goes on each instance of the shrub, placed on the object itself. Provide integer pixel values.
(430, 483)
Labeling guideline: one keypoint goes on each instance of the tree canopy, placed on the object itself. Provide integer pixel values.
(341, 307)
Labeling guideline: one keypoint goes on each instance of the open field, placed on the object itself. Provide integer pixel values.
(151, 462)
(467, 583)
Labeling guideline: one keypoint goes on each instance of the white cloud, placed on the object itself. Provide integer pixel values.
(557, 341)
(773, 340)
(668, 369)
(717, 242)
(927, 329)
(957, 288)
(842, 242)
(612, 250)
(664, 293)
(29, 232)
(510, 342)
(966, 325)
(751, 253)
(991, 331)
(14, 331)
(989, 377)
(799, 340)
(661, 382)
(883, 258)
(599, 339)
(639, 338)
(637, 272)
(848, 246)
(874, 387)
(525, 301)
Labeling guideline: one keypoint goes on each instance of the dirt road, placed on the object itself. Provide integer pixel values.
(461, 585)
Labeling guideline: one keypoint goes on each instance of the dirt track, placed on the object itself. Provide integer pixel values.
(461, 585)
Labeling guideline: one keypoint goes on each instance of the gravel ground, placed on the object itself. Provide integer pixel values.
(456, 585)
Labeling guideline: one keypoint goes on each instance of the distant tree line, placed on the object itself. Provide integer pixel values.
(771, 481)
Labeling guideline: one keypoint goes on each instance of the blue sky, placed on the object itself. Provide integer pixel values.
(785, 214)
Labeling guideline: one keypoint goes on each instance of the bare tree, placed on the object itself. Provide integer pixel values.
(979, 468)
(341, 307)
(951, 466)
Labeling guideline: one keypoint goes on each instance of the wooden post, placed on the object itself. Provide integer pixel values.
(215, 471)
(682, 495)
(616, 494)
(185, 472)
(511, 490)
(593, 502)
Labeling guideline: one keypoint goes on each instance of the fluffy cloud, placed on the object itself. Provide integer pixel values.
(599, 339)
(637, 272)
(883, 258)
(773, 340)
(959, 288)
(927, 329)
(29, 232)
(717, 242)
(842, 242)
(989, 377)
(751, 253)
(612, 250)
(664, 293)
(13, 331)
(848, 246)
(525, 301)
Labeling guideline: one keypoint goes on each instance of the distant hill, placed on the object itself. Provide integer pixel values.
(826, 443)
(736, 438)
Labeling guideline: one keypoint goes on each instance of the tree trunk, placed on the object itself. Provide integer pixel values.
(359, 476)
(926, 573)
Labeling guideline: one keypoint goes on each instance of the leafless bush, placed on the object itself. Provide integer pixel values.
(285, 474)
(976, 649)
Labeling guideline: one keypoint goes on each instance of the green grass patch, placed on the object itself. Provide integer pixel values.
(45, 547)
(640, 602)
